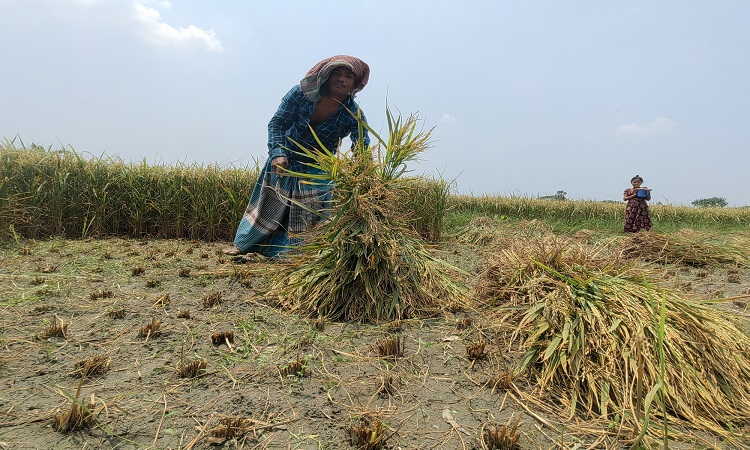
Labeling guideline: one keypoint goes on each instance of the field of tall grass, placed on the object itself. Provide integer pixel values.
(59, 192)
(570, 216)
(569, 324)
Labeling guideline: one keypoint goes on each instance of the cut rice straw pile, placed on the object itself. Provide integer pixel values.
(366, 264)
(491, 233)
(689, 247)
(587, 324)
(481, 231)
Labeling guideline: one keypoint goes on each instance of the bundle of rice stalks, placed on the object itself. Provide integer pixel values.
(223, 337)
(389, 384)
(118, 313)
(212, 299)
(589, 328)
(480, 231)
(502, 380)
(237, 428)
(495, 233)
(297, 368)
(689, 247)
(366, 263)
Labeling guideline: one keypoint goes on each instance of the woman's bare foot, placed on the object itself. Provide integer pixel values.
(232, 251)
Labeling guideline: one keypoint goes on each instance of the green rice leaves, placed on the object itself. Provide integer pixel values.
(367, 263)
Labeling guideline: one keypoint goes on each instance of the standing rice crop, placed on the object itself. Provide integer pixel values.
(572, 215)
(427, 200)
(366, 263)
(588, 326)
(46, 192)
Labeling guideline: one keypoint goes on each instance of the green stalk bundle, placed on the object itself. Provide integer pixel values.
(367, 263)
(588, 325)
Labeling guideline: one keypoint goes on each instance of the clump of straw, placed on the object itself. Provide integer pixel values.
(366, 263)
(589, 328)
(493, 233)
(689, 247)
(481, 230)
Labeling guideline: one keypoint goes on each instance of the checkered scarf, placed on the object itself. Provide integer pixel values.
(318, 75)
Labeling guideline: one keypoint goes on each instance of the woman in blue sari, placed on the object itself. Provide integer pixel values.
(282, 204)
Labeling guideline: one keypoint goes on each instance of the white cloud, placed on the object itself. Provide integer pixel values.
(152, 28)
(141, 16)
(448, 118)
(658, 125)
(165, 4)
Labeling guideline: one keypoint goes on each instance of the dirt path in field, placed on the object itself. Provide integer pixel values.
(288, 382)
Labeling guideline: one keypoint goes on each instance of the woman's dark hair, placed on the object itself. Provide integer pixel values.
(637, 177)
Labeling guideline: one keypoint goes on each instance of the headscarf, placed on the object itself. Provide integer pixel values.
(318, 75)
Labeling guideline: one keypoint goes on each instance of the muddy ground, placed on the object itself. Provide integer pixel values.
(287, 381)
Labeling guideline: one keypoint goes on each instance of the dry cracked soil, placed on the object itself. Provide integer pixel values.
(181, 353)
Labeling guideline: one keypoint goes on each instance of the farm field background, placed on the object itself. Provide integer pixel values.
(119, 268)
(97, 288)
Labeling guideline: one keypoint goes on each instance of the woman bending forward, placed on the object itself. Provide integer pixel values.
(323, 101)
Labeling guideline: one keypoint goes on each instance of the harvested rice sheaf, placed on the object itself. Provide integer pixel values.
(366, 263)
(693, 248)
(488, 233)
(588, 325)
(481, 230)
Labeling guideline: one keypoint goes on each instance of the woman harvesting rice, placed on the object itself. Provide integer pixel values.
(636, 211)
(282, 204)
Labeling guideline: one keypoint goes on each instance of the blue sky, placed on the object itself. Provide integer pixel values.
(525, 97)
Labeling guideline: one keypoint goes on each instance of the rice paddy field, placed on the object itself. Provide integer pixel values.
(489, 323)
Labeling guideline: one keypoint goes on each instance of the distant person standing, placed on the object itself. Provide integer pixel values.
(637, 217)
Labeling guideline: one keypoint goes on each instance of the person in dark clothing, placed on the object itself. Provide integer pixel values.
(323, 104)
(637, 217)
